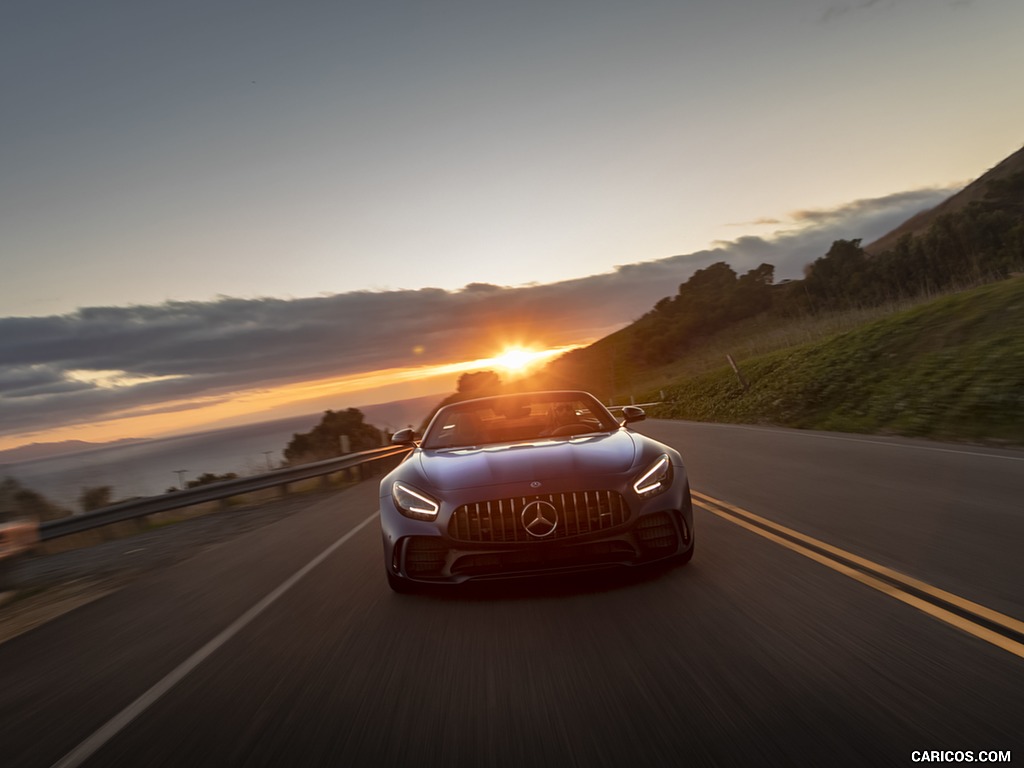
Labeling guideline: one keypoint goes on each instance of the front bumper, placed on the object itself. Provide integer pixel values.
(652, 530)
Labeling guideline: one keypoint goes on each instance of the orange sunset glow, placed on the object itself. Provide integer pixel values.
(522, 359)
(265, 403)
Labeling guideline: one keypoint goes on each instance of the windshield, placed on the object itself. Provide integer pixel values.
(511, 418)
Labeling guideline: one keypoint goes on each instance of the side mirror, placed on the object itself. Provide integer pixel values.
(405, 436)
(633, 413)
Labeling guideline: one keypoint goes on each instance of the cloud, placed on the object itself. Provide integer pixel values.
(885, 212)
(100, 362)
(763, 221)
(834, 12)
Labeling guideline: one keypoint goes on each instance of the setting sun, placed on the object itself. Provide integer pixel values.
(518, 359)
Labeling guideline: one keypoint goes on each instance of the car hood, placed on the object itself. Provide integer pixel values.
(545, 459)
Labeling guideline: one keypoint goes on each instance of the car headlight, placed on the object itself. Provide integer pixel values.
(655, 479)
(414, 503)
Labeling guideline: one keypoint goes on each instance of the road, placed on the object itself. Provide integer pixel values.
(284, 646)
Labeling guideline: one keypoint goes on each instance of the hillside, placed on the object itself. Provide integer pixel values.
(951, 369)
(973, 192)
(718, 311)
(859, 344)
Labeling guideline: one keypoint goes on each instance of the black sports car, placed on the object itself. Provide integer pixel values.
(531, 483)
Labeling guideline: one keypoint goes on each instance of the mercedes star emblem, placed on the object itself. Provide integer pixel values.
(540, 518)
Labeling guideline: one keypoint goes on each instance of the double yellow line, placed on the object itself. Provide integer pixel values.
(991, 626)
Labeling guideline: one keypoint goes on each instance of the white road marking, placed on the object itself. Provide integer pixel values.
(119, 722)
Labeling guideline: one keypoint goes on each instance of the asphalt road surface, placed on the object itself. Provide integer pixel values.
(853, 601)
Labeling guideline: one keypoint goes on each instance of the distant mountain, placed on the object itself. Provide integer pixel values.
(391, 416)
(34, 451)
(974, 191)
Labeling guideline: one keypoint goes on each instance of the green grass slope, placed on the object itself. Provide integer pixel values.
(951, 369)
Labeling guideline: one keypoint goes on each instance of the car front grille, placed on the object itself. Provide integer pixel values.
(505, 520)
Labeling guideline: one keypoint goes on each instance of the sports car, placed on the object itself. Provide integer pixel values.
(531, 483)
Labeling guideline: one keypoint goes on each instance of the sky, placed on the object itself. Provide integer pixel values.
(213, 212)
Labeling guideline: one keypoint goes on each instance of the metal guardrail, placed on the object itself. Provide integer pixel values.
(128, 510)
(225, 489)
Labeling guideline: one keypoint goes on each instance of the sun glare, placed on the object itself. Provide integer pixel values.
(517, 359)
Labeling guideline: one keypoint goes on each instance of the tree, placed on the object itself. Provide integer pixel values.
(837, 279)
(17, 501)
(479, 384)
(712, 299)
(95, 497)
(324, 440)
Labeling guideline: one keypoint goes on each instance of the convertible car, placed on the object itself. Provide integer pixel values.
(531, 483)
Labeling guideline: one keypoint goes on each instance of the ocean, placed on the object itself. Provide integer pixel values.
(150, 467)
